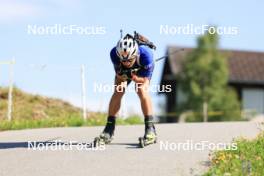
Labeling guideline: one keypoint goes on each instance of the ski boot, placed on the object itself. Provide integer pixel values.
(150, 137)
(107, 135)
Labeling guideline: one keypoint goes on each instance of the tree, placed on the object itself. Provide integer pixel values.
(204, 80)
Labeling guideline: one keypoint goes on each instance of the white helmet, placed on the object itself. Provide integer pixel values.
(127, 48)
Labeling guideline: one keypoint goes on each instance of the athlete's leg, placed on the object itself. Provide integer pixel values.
(146, 106)
(116, 98)
(114, 106)
(145, 99)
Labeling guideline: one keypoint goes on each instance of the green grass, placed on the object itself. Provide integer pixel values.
(248, 159)
(35, 111)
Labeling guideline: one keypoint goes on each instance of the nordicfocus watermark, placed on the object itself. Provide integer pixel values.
(191, 29)
(106, 88)
(190, 145)
(65, 146)
(59, 29)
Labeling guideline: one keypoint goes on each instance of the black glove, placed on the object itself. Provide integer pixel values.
(128, 72)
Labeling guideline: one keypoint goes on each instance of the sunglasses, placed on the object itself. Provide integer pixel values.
(132, 58)
(127, 61)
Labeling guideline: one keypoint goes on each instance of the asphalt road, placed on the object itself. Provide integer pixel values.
(122, 157)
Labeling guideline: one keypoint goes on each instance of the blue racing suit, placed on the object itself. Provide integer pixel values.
(145, 62)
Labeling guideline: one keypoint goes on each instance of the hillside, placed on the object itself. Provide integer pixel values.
(28, 106)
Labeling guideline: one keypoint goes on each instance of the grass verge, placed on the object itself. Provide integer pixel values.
(98, 120)
(248, 159)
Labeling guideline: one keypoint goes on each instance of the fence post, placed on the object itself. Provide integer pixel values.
(205, 111)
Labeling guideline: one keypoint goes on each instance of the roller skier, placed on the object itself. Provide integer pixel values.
(133, 61)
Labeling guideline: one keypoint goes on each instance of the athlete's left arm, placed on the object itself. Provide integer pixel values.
(147, 64)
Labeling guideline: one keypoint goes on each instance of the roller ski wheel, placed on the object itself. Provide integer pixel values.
(103, 139)
(147, 141)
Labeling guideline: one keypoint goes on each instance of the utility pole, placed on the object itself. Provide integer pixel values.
(83, 91)
(10, 90)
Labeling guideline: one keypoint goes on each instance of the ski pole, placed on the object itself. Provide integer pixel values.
(129, 71)
(174, 52)
(160, 58)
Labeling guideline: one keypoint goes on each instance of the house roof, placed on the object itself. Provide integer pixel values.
(245, 67)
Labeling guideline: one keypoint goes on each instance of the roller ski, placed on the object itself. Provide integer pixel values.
(107, 135)
(103, 139)
(150, 137)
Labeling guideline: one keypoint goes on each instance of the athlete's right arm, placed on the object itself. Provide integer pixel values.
(116, 64)
(120, 78)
